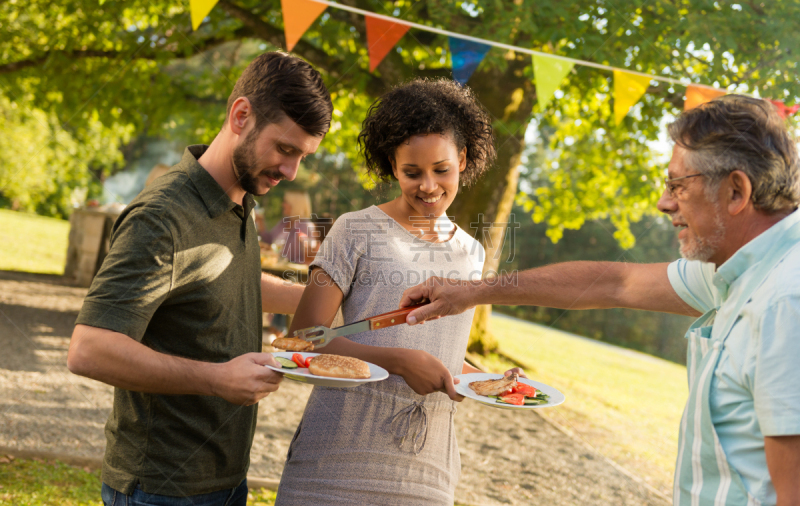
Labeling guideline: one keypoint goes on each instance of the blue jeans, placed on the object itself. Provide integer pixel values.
(229, 497)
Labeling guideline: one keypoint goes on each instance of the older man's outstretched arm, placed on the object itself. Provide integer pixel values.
(569, 285)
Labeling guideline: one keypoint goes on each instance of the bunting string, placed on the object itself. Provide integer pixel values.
(467, 52)
(501, 45)
(553, 68)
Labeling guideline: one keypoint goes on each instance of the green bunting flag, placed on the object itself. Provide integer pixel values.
(549, 73)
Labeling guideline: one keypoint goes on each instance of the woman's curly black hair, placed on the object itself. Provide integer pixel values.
(425, 106)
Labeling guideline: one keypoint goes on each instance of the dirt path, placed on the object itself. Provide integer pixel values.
(507, 457)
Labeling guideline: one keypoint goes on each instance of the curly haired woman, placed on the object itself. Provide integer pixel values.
(393, 442)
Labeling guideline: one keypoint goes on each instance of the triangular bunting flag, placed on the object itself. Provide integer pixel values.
(466, 55)
(628, 88)
(548, 72)
(382, 35)
(784, 110)
(199, 10)
(696, 95)
(297, 17)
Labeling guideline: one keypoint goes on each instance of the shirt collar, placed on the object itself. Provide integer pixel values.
(751, 253)
(214, 197)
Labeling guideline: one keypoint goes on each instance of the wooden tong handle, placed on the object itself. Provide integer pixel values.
(391, 318)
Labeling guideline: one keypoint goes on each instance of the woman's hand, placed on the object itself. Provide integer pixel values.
(517, 370)
(426, 374)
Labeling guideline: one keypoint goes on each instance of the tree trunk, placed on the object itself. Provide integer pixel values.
(484, 209)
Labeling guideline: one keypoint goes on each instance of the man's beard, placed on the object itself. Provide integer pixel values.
(704, 248)
(244, 161)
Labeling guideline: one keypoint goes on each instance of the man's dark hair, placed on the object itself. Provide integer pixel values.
(422, 107)
(279, 84)
(737, 132)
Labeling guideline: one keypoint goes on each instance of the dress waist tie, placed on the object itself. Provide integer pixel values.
(416, 414)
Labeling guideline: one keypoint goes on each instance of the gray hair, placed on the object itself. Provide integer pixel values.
(736, 132)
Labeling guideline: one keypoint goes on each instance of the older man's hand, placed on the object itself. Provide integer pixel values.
(445, 297)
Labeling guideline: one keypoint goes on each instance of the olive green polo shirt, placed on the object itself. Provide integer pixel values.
(183, 277)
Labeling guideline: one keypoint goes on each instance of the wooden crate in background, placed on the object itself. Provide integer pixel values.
(89, 241)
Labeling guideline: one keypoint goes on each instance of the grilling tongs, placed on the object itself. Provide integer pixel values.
(321, 336)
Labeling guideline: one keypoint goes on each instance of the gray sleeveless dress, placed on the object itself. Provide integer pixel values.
(382, 443)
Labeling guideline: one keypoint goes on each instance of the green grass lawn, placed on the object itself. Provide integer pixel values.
(39, 483)
(32, 243)
(625, 404)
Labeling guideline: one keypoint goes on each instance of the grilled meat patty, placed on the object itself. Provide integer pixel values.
(494, 387)
(292, 344)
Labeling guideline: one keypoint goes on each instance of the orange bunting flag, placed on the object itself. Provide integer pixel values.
(697, 95)
(199, 10)
(628, 89)
(297, 17)
(382, 35)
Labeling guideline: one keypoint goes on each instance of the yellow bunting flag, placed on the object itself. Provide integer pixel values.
(628, 88)
(199, 10)
(549, 73)
(382, 35)
(696, 95)
(297, 17)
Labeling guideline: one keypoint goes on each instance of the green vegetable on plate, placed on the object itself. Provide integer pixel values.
(286, 363)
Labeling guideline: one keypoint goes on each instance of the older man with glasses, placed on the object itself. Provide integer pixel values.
(732, 190)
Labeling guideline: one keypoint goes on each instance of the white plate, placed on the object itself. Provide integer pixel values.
(303, 376)
(463, 388)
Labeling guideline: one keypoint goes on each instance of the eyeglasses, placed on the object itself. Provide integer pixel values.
(672, 187)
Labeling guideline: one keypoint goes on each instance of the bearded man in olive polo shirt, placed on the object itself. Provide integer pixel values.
(173, 317)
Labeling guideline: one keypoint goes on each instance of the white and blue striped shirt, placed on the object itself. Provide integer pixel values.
(754, 389)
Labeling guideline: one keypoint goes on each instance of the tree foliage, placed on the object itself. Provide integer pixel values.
(98, 71)
(103, 75)
(43, 164)
(592, 168)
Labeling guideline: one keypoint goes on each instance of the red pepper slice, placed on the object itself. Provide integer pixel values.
(298, 359)
(515, 399)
